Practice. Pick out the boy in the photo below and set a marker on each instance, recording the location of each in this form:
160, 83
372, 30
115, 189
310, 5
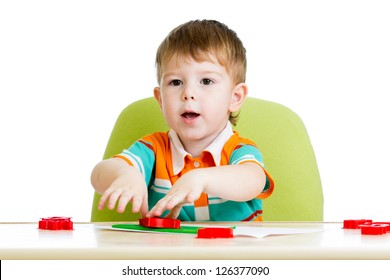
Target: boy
200, 170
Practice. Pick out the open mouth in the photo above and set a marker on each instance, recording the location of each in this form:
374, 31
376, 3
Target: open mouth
190, 115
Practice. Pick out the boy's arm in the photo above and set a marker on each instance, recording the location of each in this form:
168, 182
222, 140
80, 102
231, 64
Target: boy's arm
241, 182
120, 182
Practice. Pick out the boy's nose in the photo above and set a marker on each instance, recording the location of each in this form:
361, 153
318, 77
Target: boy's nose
188, 95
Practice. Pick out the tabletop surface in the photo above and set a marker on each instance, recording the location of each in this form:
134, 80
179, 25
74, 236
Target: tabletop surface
94, 241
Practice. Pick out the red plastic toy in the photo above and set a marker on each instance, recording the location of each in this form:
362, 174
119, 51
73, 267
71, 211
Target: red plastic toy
368, 227
56, 223
159, 222
355, 224
215, 233
387, 225
374, 229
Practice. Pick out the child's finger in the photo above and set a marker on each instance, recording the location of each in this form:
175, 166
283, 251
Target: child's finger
157, 210
174, 213
174, 201
114, 198
124, 200
103, 199
144, 207
137, 201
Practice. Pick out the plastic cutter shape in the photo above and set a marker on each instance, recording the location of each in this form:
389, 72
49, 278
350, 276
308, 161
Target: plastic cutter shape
215, 233
159, 222
56, 223
368, 227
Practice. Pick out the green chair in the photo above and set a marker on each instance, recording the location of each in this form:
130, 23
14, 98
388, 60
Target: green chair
279, 133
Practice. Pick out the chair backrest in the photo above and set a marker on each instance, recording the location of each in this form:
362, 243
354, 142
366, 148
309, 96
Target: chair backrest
279, 133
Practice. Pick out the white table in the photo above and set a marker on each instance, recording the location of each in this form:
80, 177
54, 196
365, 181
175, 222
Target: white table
89, 241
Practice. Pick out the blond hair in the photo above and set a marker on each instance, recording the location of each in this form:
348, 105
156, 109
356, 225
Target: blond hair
199, 39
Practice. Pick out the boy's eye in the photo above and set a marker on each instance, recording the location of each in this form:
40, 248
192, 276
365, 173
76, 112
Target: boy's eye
176, 83
206, 82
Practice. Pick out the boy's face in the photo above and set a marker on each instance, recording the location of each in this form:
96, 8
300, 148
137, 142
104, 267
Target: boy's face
197, 98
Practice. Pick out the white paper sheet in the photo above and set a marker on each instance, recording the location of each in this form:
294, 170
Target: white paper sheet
260, 232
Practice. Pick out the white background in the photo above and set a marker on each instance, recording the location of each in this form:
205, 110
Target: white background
67, 69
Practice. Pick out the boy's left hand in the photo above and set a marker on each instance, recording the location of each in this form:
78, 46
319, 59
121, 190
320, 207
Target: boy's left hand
187, 189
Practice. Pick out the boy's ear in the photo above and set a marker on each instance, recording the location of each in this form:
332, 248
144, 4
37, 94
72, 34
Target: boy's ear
240, 92
157, 95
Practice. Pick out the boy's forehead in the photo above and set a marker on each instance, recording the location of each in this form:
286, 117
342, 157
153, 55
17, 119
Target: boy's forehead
199, 57
177, 61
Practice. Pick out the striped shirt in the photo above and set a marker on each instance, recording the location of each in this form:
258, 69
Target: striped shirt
161, 158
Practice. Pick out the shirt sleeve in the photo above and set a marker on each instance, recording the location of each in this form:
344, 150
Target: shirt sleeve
250, 153
140, 155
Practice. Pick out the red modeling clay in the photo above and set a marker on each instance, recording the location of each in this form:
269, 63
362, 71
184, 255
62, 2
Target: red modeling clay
215, 233
159, 222
56, 223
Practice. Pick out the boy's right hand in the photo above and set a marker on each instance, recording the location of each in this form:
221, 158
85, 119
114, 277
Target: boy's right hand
122, 191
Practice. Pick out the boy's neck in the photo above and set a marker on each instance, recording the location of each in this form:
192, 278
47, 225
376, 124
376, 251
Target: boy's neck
195, 148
